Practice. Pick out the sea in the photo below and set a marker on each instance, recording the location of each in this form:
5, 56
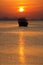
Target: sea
21, 45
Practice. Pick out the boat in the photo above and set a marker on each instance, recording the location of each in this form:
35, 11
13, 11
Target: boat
22, 22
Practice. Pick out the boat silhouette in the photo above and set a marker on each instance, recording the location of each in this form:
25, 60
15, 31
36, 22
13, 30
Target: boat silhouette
22, 22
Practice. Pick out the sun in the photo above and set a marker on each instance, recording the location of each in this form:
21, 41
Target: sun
21, 9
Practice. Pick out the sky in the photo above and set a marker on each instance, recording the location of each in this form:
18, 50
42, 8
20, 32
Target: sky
33, 9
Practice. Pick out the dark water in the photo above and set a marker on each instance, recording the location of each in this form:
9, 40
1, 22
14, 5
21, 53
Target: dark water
21, 45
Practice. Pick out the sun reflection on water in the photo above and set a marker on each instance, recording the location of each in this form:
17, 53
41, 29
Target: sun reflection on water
21, 48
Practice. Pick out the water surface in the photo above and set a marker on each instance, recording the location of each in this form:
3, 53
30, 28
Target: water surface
21, 45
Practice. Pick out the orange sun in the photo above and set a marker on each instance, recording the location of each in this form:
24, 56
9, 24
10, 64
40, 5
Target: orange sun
21, 9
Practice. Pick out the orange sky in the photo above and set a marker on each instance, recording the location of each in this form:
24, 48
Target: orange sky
32, 8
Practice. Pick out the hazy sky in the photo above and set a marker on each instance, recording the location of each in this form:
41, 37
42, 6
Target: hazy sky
32, 8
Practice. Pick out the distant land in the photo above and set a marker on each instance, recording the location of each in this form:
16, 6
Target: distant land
12, 19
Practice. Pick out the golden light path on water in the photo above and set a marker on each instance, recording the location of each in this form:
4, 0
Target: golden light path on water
21, 49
